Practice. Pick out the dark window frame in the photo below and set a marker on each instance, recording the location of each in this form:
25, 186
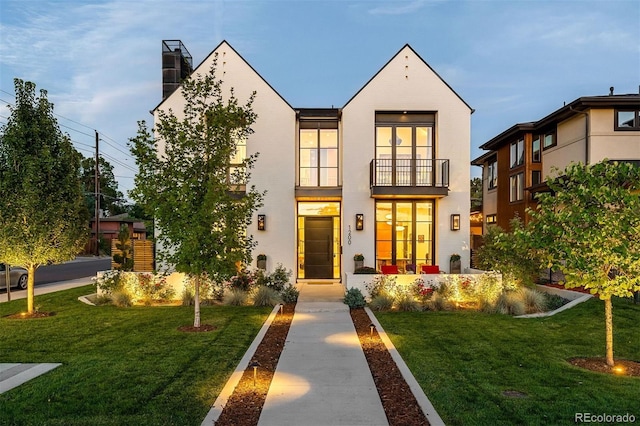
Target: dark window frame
636, 120
534, 151
519, 194
519, 153
554, 139
492, 174
491, 219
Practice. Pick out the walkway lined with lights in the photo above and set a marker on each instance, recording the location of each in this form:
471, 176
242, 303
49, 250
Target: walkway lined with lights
322, 377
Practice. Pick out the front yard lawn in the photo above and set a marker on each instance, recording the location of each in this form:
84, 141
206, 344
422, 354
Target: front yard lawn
465, 361
121, 366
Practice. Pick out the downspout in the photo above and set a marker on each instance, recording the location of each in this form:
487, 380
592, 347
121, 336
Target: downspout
586, 134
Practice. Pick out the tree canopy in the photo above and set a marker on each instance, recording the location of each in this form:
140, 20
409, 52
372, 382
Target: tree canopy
201, 202
43, 217
589, 227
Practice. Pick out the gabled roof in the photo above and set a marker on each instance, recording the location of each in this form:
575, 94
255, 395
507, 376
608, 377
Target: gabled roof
423, 61
224, 42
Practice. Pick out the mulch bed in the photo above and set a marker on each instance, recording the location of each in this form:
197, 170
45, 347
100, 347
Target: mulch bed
245, 404
622, 367
24, 315
398, 401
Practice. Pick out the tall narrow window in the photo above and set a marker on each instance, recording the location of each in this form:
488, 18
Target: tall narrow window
516, 192
237, 169
318, 154
492, 174
535, 149
517, 153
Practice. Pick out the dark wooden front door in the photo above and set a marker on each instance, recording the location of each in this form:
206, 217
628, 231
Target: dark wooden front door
318, 247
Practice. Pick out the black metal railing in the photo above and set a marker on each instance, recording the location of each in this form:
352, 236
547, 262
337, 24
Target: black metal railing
409, 172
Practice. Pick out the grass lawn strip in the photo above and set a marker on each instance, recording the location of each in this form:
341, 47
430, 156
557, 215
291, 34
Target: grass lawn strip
121, 365
471, 364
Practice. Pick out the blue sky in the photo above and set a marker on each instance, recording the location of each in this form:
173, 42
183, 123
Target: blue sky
512, 61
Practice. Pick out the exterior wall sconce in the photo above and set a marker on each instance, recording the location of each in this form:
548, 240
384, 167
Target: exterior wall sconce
262, 218
359, 222
455, 222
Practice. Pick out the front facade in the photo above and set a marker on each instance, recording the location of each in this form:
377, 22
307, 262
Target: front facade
521, 159
385, 176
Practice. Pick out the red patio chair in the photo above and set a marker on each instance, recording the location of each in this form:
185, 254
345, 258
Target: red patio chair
430, 269
389, 269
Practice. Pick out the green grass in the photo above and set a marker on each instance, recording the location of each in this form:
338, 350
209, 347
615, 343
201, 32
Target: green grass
121, 366
465, 360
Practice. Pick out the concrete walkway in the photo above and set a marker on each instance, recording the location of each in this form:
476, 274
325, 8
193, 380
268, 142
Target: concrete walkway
322, 377
14, 374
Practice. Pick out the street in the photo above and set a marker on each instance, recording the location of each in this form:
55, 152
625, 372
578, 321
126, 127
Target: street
79, 268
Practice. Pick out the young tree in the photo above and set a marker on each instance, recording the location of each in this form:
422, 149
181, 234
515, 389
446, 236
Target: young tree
43, 218
186, 182
590, 228
124, 258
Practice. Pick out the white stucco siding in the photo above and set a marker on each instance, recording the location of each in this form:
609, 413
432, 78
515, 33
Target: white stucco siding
407, 84
274, 140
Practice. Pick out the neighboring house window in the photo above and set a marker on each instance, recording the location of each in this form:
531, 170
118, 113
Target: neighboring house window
491, 219
516, 183
492, 174
318, 154
548, 140
536, 156
627, 120
404, 233
517, 153
405, 149
536, 177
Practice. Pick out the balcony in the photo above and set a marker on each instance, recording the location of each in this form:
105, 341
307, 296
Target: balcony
409, 178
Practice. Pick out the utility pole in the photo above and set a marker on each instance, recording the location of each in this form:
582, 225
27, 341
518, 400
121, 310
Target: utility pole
97, 196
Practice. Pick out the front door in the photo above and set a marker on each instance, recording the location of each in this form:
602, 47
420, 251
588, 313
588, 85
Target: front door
318, 247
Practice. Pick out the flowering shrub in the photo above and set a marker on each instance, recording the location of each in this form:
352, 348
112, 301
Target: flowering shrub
139, 288
243, 280
423, 291
382, 284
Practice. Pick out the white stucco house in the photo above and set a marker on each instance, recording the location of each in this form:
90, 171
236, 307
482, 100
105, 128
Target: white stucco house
386, 175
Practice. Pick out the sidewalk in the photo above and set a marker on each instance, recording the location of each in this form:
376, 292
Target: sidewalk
48, 288
322, 377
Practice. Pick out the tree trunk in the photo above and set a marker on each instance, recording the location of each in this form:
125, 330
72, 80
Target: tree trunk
608, 314
31, 270
196, 302
7, 280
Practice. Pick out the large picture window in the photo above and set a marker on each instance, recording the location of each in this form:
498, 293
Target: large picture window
404, 234
318, 154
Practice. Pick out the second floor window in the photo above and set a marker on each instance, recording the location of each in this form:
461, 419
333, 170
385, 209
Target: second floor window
517, 153
627, 120
237, 170
318, 156
548, 139
536, 150
516, 192
492, 175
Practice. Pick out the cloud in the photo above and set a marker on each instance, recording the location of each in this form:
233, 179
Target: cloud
400, 8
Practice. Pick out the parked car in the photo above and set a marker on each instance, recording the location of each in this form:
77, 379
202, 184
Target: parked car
18, 277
